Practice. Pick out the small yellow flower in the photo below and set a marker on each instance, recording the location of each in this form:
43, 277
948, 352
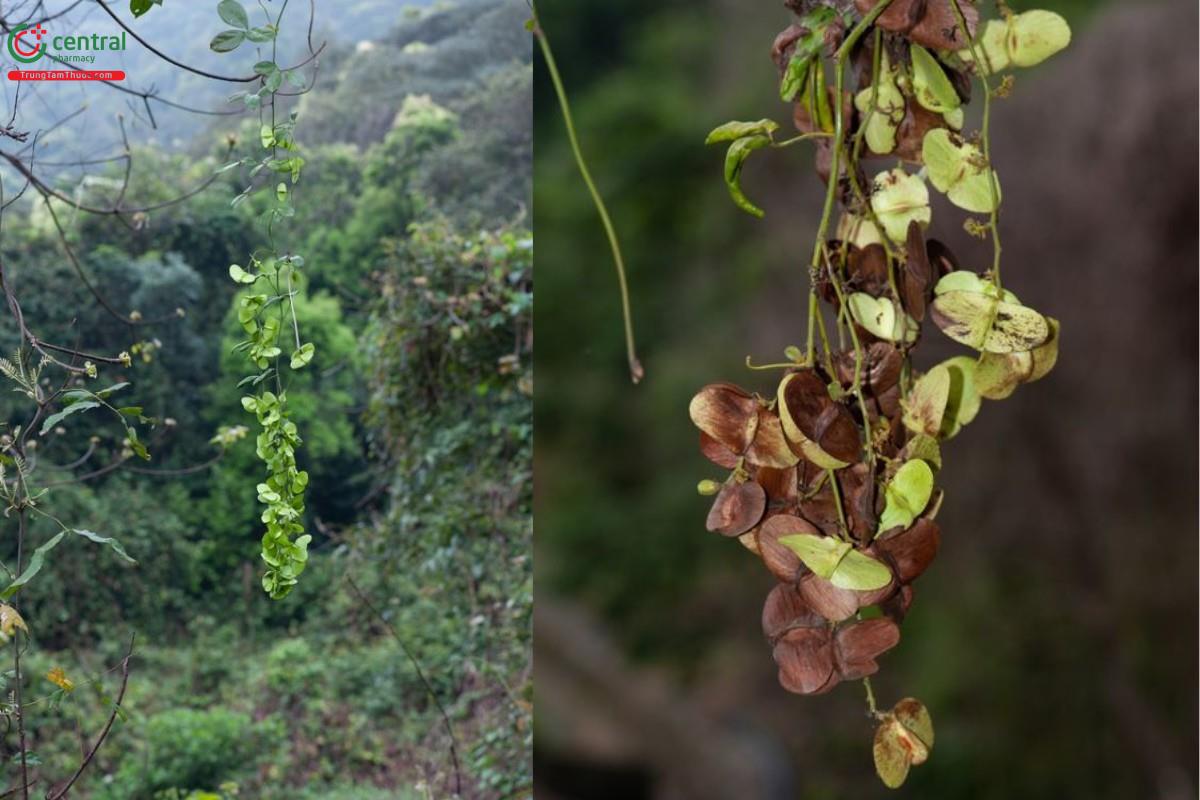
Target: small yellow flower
59, 678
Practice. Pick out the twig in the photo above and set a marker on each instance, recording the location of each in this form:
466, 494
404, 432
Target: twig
421, 675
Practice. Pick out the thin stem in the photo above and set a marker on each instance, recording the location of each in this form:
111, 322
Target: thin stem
24, 749
837, 497
412, 658
843, 54
872, 709
981, 69
856, 386
636, 371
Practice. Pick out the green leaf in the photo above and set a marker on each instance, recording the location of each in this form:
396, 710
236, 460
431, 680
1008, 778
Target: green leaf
734, 130
1045, 355
821, 554
838, 562
735, 158
987, 324
74, 408
260, 35
240, 275
274, 81
111, 390
998, 375
898, 199
135, 444
303, 356
266, 135
882, 124
232, 12
931, 85
1023, 40
108, 540
957, 169
860, 573
964, 401
880, 317
925, 405
36, 562
1036, 35
139, 7
806, 50
906, 495
227, 41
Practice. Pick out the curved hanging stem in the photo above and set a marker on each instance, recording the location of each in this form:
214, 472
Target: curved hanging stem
636, 371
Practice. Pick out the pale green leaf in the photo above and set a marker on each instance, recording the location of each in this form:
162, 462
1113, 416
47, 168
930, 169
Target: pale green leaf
906, 495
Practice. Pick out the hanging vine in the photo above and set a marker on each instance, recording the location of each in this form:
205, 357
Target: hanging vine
833, 475
267, 311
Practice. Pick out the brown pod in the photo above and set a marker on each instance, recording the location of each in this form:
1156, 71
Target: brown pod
828, 424
785, 609
932, 23
911, 552
867, 270
717, 453
910, 135
858, 645
836, 604
780, 559
769, 447
737, 508
727, 413
780, 486
917, 277
941, 259
896, 607
858, 499
817, 504
805, 657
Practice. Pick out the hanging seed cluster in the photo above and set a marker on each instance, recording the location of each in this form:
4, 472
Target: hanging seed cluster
833, 475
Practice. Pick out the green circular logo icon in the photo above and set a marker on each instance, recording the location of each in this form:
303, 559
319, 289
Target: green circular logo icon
25, 43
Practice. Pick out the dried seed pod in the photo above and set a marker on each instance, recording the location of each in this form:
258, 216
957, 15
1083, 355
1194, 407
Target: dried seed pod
910, 552
727, 413
786, 609
836, 604
805, 657
932, 23
860, 643
737, 508
780, 559
916, 282
824, 429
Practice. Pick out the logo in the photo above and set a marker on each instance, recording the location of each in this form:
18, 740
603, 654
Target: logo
25, 43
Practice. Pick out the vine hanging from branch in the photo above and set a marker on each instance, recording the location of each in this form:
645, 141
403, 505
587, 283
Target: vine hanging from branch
833, 475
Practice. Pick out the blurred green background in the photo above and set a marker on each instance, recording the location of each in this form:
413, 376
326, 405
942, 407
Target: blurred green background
1054, 639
